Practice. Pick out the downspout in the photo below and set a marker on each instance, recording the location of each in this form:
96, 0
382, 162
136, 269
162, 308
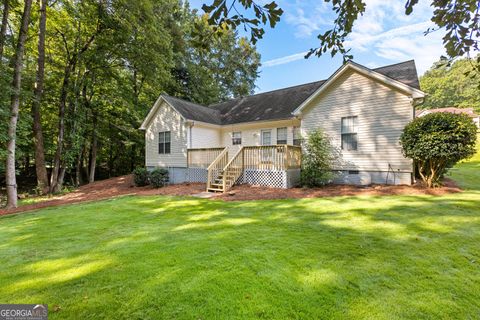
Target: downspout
190, 141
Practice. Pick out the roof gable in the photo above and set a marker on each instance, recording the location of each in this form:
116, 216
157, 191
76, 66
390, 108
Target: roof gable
288, 102
415, 93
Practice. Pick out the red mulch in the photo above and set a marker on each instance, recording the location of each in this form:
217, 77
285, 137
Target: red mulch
106, 189
113, 187
245, 192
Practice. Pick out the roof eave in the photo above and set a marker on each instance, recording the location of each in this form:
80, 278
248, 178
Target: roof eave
154, 109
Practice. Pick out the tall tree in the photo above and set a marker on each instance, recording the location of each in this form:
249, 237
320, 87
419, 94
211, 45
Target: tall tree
10, 174
40, 168
72, 59
451, 85
3, 29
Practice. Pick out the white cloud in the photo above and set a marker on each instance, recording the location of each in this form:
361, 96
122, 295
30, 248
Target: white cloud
284, 60
361, 41
306, 18
384, 31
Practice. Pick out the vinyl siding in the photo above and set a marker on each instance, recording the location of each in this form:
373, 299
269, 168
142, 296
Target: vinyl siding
251, 133
382, 114
205, 137
166, 119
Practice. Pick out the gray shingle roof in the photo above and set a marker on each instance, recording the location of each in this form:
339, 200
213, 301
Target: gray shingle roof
405, 72
278, 104
193, 111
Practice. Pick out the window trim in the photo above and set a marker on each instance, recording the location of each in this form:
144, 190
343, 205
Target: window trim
261, 137
353, 133
297, 141
162, 145
239, 141
286, 136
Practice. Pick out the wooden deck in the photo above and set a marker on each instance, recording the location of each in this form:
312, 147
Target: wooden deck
224, 173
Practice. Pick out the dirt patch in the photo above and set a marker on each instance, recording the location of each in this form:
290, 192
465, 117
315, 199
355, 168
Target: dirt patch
119, 186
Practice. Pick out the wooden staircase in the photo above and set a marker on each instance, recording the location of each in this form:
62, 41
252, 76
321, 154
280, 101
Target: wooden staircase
222, 178
215, 172
217, 184
223, 174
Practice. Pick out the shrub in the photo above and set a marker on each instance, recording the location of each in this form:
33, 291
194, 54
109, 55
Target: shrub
158, 177
438, 141
317, 160
140, 176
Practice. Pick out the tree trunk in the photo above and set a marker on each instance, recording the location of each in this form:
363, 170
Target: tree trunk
132, 157
40, 168
61, 176
78, 166
55, 183
3, 30
11, 180
93, 152
56, 179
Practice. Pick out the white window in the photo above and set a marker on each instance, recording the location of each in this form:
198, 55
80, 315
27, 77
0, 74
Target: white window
282, 135
297, 136
349, 133
266, 137
164, 142
236, 138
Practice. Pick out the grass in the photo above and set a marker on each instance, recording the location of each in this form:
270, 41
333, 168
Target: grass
366, 257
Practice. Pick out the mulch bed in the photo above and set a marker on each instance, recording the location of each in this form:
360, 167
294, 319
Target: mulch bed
119, 186
245, 192
106, 189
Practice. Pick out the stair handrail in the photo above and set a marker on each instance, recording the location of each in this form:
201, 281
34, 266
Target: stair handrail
227, 167
217, 159
213, 165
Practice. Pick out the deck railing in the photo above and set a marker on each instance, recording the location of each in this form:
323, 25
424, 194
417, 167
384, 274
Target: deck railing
277, 157
233, 170
215, 169
202, 157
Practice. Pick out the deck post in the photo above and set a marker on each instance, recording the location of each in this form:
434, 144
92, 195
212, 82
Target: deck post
287, 158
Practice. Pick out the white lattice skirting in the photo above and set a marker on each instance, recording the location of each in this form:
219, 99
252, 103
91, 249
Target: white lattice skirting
196, 175
270, 178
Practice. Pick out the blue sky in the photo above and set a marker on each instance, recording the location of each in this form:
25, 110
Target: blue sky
383, 35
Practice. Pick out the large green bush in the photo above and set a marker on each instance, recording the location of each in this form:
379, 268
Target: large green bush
140, 176
318, 159
158, 177
438, 141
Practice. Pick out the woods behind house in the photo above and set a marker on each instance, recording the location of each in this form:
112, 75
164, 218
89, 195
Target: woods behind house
90, 70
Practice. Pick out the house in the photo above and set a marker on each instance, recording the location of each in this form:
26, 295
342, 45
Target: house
256, 139
468, 111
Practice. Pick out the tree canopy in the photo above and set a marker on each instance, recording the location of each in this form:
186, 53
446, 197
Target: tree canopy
105, 63
451, 85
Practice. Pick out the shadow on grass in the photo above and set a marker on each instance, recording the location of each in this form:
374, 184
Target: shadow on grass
190, 258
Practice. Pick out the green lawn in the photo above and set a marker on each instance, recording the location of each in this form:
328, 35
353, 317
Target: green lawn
165, 258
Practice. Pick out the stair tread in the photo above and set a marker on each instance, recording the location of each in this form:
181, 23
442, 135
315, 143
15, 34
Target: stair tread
214, 189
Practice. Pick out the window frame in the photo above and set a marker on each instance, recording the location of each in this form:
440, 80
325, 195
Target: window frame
280, 142
351, 134
164, 145
297, 141
236, 141
261, 136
